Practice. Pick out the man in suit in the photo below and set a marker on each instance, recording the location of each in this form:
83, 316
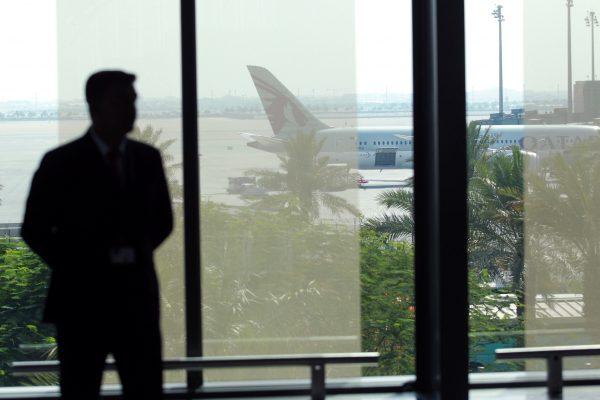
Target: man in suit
97, 209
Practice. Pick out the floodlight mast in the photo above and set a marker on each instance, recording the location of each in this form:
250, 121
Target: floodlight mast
591, 20
569, 62
497, 14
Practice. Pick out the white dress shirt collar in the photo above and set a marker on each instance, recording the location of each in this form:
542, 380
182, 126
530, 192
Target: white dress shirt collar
103, 147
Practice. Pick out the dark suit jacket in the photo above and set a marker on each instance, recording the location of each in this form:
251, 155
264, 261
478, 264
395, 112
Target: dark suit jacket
77, 211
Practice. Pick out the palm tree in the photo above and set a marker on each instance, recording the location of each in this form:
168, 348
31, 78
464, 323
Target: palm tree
396, 226
304, 182
152, 137
391, 224
495, 199
563, 209
496, 213
168, 257
478, 144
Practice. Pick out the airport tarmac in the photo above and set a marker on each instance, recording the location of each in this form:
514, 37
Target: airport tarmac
223, 154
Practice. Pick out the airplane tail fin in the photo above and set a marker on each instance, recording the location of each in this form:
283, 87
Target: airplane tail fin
286, 113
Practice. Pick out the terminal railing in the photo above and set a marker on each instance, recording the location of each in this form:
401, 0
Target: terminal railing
553, 356
316, 363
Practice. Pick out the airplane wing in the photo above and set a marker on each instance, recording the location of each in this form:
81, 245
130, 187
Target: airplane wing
508, 150
384, 183
337, 165
271, 144
388, 180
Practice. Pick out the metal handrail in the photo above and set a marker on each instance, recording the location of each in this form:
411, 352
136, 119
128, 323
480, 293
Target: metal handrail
316, 362
553, 356
543, 352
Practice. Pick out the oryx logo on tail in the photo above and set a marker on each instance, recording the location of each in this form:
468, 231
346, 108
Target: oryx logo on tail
286, 114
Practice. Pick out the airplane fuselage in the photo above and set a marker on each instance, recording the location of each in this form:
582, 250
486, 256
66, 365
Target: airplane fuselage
368, 147
392, 147
384, 147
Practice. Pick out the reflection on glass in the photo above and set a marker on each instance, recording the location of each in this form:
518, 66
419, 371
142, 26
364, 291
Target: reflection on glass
142, 38
533, 239
306, 197
291, 263
43, 106
27, 130
279, 223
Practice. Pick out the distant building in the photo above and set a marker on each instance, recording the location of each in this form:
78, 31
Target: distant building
514, 118
559, 115
587, 99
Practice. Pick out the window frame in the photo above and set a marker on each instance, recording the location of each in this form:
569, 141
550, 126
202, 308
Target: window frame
439, 110
440, 193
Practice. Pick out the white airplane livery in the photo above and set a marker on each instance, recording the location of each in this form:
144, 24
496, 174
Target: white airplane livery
386, 147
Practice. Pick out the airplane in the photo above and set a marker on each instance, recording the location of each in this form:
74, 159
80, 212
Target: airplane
389, 147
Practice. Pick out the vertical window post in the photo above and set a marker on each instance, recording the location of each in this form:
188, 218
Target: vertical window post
426, 207
452, 163
440, 193
191, 189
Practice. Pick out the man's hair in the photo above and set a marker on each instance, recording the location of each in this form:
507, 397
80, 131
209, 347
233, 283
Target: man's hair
98, 83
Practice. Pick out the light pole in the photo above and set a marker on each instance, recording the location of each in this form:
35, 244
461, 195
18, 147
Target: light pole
497, 13
569, 64
592, 21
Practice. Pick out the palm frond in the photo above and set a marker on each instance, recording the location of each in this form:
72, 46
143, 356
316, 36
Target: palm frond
392, 225
397, 199
337, 205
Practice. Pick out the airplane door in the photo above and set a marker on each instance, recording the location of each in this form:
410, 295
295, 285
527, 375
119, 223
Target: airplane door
385, 158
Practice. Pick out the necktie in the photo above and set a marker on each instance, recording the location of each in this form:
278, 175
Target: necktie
113, 158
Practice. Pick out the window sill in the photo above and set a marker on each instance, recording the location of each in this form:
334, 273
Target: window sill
531, 379
280, 387
381, 384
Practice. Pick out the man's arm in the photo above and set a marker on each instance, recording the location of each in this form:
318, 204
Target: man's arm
39, 229
162, 213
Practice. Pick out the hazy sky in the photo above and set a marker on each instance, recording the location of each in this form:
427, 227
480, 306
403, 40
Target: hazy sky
545, 42
307, 44
313, 46
28, 37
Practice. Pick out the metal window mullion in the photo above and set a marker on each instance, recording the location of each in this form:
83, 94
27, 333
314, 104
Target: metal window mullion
452, 137
191, 189
440, 198
426, 206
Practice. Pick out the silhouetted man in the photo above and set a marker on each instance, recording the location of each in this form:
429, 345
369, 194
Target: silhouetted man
98, 208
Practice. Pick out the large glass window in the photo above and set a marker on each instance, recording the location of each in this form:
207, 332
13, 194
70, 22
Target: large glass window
293, 258
534, 237
52, 47
28, 128
495, 174
561, 274
305, 127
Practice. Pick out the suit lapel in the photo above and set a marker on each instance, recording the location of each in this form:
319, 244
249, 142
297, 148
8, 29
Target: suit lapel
131, 169
98, 176
91, 154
